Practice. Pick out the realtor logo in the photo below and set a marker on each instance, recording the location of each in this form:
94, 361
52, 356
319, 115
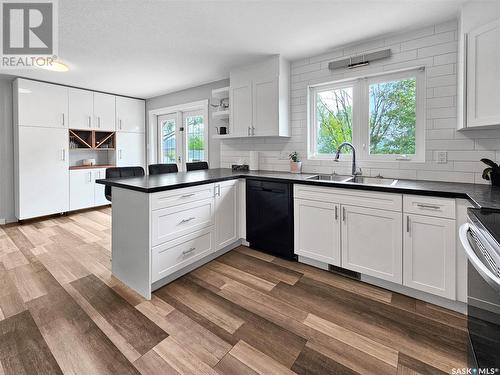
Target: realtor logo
27, 28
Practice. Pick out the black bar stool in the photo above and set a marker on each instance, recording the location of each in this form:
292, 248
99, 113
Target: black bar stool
117, 172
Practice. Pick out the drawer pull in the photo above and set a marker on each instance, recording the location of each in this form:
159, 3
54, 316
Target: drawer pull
432, 207
187, 220
190, 250
187, 195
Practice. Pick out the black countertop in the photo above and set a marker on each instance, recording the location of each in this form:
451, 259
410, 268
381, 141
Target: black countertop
480, 195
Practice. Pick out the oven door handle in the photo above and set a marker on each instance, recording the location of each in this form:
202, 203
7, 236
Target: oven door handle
489, 277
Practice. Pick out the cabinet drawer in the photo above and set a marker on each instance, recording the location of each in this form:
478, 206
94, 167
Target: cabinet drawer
179, 253
171, 222
180, 196
430, 206
354, 197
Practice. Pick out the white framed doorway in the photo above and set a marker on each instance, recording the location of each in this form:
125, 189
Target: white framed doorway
179, 134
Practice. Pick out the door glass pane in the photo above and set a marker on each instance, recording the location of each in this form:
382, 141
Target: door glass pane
168, 141
393, 117
195, 130
334, 119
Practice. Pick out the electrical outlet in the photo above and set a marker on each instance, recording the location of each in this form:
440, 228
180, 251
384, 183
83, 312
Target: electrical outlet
441, 157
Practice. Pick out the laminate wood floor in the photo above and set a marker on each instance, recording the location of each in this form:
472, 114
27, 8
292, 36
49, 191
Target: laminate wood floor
61, 311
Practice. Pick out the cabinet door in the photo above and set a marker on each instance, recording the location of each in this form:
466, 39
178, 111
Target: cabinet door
372, 242
81, 108
317, 230
226, 213
429, 255
99, 198
483, 76
43, 184
81, 189
265, 107
240, 103
104, 111
130, 114
42, 104
130, 149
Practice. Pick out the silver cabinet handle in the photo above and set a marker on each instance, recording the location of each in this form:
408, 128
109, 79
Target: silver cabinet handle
253, 130
120, 123
89, 120
90, 177
343, 213
249, 130
119, 154
190, 250
408, 223
187, 220
336, 213
187, 195
431, 206
99, 122
63, 119
63, 154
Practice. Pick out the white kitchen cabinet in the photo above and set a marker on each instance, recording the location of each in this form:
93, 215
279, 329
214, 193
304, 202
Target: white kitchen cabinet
104, 112
226, 213
429, 255
240, 102
81, 109
130, 114
42, 171
99, 197
81, 189
130, 149
259, 98
372, 242
483, 76
40, 104
317, 230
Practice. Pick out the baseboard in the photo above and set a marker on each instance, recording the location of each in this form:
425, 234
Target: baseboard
4, 221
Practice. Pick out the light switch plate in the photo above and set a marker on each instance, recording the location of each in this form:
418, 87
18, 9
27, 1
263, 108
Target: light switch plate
441, 157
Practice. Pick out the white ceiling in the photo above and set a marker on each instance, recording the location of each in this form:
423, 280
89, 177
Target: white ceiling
147, 48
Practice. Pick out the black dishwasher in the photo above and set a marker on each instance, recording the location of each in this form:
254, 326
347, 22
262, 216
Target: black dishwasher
269, 207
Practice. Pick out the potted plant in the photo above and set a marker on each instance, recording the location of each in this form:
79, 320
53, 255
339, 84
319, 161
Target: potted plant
295, 163
492, 173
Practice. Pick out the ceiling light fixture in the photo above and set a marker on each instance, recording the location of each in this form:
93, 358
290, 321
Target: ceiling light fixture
55, 66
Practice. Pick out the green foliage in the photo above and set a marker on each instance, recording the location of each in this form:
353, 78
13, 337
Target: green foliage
492, 168
393, 117
294, 156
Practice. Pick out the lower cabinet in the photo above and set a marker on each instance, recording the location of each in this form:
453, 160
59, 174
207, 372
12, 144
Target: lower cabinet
181, 252
226, 213
83, 191
429, 255
372, 242
317, 230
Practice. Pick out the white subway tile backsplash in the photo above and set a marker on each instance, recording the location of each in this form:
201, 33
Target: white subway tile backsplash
435, 48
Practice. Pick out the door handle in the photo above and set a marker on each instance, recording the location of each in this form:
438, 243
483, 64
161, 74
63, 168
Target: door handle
407, 223
63, 119
249, 131
343, 213
187, 195
120, 123
336, 213
183, 221
89, 120
253, 130
190, 250
431, 206
90, 177
63, 154
99, 122
119, 154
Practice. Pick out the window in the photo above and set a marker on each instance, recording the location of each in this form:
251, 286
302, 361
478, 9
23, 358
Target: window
182, 134
383, 116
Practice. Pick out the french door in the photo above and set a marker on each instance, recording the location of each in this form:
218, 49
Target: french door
183, 138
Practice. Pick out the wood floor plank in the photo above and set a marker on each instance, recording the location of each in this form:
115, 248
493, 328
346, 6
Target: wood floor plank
241, 276
254, 253
414, 366
310, 362
138, 330
23, 349
230, 365
27, 281
152, 363
13, 260
11, 302
265, 270
182, 360
258, 361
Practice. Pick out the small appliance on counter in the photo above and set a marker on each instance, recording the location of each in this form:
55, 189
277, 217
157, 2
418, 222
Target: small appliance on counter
480, 239
88, 162
254, 161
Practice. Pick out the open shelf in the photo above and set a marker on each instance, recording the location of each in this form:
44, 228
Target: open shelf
91, 140
221, 93
223, 115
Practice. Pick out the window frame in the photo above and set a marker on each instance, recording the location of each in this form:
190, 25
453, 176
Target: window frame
360, 116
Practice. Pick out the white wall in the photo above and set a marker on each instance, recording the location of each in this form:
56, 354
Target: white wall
434, 47
6, 152
192, 95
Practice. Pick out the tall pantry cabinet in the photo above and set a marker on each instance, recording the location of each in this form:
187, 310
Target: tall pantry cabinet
41, 148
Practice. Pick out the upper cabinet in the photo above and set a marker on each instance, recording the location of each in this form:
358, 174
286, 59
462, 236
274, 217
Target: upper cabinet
130, 115
81, 109
258, 99
483, 76
104, 111
40, 104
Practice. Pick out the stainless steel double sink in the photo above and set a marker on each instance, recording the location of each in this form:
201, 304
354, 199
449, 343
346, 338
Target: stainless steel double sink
354, 179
